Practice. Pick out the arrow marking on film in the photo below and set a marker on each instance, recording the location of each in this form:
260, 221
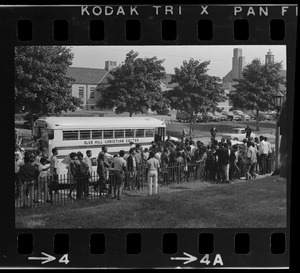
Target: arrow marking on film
190, 258
46, 259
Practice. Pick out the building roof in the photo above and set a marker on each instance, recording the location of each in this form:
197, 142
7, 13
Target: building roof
86, 75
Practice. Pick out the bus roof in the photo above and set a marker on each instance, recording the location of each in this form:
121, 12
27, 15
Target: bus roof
100, 122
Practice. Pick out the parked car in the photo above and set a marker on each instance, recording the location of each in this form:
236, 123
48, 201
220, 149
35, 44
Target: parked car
237, 134
231, 116
172, 138
242, 115
269, 117
203, 118
182, 117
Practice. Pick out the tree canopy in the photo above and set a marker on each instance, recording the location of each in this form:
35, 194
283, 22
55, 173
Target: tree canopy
41, 85
255, 90
135, 86
196, 92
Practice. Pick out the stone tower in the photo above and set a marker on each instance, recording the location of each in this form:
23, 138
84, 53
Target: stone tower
269, 57
238, 63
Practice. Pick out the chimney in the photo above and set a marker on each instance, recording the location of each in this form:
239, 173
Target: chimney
109, 65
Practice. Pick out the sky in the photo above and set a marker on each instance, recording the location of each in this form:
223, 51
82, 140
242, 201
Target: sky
220, 57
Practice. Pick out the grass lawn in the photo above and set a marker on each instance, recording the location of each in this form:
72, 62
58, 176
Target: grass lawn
259, 203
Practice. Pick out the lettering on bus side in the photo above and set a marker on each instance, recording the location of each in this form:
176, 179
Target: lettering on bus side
132, 140
88, 142
110, 141
113, 141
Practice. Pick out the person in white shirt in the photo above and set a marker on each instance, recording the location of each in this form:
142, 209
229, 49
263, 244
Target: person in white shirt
158, 154
251, 159
152, 167
263, 153
269, 156
120, 166
53, 171
145, 154
43, 181
88, 160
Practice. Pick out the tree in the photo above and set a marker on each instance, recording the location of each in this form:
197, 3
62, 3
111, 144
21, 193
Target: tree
41, 85
254, 91
134, 87
197, 92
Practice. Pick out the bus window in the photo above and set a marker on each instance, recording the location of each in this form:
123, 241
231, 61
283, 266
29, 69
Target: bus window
119, 133
97, 134
129, 133
149, 132
139, 133
86, 134
70, 135
108, 134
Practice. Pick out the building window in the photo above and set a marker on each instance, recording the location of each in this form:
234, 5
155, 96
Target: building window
81, 92
92, 94
92, 107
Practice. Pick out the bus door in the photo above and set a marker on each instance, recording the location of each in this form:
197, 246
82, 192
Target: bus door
160, 134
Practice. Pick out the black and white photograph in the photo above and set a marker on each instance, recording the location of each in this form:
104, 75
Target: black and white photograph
150, 136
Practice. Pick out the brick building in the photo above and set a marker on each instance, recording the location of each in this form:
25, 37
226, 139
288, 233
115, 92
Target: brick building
88, 80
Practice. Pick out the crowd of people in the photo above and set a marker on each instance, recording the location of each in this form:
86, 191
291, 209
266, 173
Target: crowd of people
163, 162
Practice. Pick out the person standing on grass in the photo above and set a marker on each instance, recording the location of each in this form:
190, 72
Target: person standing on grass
269, 156
43, 185
139, 161
251, 161
233, 168
263, 153
131, 167
225, 162
256, 145
213, 133
106, 160
37, 158
119, 170
53, 171
152, 168
88, 160
18, 164
248, 131
28, 175
84, 176
74, 172
102, 172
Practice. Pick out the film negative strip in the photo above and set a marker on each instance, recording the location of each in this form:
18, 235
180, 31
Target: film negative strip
187, 204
